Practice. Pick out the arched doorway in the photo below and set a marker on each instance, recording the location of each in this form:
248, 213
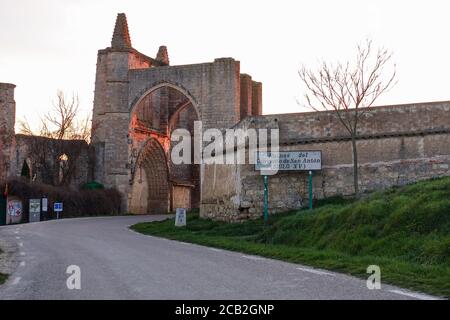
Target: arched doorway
150, 189
158, 185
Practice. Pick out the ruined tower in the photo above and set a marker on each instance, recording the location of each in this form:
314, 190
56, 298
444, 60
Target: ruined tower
111, 112
139, 101
7, 120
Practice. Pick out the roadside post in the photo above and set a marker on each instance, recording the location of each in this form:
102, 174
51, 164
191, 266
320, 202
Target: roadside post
57, 207
44, 209
180, 217
34, 210
310, 187
266, 199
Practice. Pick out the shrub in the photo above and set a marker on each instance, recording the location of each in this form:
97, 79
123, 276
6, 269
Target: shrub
93, 185
77, 203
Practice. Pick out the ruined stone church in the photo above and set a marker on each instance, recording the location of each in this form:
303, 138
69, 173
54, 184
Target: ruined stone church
139, 101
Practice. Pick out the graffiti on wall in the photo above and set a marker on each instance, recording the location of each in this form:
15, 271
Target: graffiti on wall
15, 208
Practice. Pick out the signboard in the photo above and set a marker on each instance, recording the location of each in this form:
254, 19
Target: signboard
14, 208
58, 207
35, 210
289, 160
180, 217
44, 204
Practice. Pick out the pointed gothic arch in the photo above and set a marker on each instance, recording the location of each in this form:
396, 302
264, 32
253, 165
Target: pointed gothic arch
154, 116
150, 190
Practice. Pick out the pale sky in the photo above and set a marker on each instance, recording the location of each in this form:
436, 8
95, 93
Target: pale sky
47, 45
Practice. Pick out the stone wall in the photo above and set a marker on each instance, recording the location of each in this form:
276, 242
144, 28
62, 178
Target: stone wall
381, 121
397, 145
42, 156
7, 119
213, 87
221, 187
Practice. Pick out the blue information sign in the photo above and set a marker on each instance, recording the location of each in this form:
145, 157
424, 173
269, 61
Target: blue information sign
58, 207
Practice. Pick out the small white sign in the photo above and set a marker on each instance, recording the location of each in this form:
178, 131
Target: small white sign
35, 210
180, 217
44, 204
289, 160
35, 206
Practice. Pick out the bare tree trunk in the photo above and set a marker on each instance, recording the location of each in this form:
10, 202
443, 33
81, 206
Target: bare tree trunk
349, 89
57, 125
355, 166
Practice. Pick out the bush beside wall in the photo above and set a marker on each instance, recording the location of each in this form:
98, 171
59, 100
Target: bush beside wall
76, 203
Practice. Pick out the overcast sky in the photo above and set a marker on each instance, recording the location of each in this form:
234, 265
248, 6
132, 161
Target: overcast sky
47, 45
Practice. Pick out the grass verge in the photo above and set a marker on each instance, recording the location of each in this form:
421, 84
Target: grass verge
405, 231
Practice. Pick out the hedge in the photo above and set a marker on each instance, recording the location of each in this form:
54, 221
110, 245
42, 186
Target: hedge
77, 203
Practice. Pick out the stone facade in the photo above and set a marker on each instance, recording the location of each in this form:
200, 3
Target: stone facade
138, 103
43, 156
7, 120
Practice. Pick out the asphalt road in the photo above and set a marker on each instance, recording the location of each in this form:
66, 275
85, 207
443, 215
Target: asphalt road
117, 263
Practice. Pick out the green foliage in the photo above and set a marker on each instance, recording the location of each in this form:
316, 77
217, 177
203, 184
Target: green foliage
77, 203
400, 222
93, 185
404, 230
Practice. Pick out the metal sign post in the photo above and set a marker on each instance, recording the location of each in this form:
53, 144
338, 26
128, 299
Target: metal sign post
44, 209
273, 162
44, 204
57, 207
310, 186
35, 210
266, 199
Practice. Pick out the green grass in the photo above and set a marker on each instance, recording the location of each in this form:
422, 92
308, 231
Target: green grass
404, 230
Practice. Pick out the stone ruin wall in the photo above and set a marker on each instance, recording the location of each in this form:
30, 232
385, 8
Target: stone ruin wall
398, 145
79, 153
17, 148
7, 120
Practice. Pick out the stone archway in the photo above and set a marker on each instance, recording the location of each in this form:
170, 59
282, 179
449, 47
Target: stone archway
150, 191
157, 184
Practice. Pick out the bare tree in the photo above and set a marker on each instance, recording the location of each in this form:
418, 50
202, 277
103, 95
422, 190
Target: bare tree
350, 89
62, 121
49, 149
